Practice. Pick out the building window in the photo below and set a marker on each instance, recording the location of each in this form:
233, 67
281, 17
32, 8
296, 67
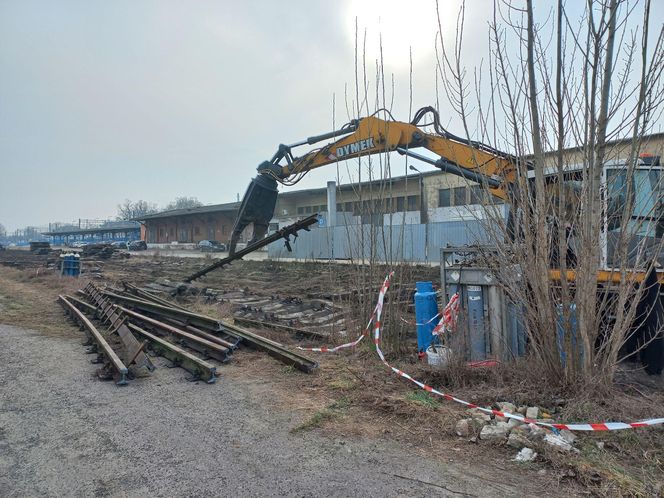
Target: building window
413, 202
476, 195
307, 210
340, 207
401, 205
300, 210
224, 229
197, 230
444, 198
322, 209
459, 196
348, 207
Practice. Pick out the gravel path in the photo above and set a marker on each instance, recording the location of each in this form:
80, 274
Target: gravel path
64, 433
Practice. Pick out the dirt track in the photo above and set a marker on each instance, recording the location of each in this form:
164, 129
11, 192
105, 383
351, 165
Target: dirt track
64, 433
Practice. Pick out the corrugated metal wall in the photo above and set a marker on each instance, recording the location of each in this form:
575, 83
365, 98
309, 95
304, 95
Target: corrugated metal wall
382, 243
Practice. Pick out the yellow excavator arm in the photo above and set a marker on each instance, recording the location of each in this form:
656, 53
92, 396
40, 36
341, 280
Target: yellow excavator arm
372, 135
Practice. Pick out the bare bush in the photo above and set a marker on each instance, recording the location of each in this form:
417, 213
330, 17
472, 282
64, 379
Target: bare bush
582, 233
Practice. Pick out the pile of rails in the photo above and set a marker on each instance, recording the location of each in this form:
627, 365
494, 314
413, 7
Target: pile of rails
136, 321
103, 251
304, 316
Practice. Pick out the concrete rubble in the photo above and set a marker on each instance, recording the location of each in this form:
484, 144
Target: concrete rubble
513, 432
525, 455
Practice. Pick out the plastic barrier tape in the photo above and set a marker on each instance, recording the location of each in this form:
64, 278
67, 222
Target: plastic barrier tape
375, 319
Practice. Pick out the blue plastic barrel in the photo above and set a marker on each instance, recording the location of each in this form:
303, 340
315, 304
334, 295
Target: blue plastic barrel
425, 309
76, 265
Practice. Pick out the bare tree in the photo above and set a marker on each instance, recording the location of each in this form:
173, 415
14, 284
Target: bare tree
586, 224
183, 203
129, 210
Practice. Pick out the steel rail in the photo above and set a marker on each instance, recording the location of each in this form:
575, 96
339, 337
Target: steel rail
83, 305
116, 322
206, 335
196, 366
106, 350
214, 326
272, 348
149, 296
209, 348
284, 233
179, 314
279, 326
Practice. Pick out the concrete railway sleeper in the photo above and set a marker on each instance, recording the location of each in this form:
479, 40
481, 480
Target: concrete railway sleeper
105, 353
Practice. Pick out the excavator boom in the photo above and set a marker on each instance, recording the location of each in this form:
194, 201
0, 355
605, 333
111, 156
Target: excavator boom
364, 137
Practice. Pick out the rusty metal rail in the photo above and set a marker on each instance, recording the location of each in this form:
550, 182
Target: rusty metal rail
149, 296
209, 348
272, 348
180, 314
192, 322
285, 233
206, 335
199, 368
83, 306
279, 326
215, 327
117, 324
102, 348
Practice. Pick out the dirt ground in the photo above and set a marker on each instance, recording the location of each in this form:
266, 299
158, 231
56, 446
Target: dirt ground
348, 429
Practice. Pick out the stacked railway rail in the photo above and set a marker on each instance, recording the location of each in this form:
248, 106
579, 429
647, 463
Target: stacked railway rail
124, 327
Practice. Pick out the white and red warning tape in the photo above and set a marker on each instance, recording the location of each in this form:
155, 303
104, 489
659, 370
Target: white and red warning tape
375, 318
450, 314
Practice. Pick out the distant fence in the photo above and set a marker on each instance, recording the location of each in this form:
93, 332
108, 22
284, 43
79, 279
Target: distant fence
412, 243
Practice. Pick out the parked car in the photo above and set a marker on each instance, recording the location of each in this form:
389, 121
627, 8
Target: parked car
119, 244
2, 248
211, 246
137, 245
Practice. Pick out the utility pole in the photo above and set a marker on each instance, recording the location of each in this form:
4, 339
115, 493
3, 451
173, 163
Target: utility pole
424, 219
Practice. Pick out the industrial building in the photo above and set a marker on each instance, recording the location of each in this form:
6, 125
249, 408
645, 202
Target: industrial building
420, 198
402, 200
93, 231
190, 225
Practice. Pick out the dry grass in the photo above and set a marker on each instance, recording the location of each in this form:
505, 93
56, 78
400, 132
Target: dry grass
29, 299
352, 393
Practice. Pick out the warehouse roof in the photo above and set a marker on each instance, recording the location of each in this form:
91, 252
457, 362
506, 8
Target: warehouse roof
213, 208
114, 227
353, 186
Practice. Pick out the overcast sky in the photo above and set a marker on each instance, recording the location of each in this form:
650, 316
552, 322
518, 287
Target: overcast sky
102, 101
